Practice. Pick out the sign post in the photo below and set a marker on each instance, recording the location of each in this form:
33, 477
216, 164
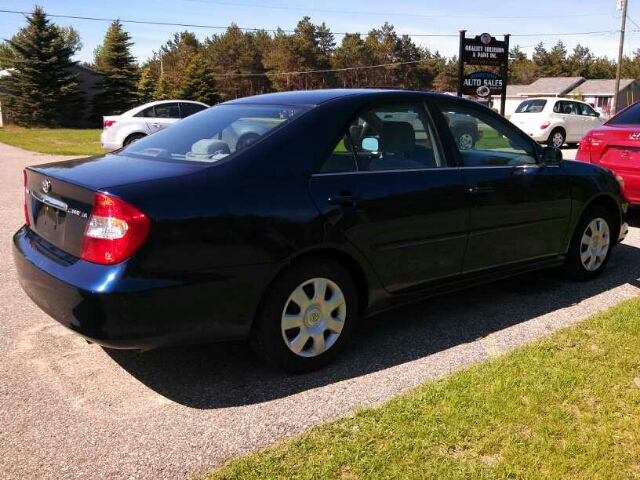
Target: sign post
505, 75
486, 51
460, 62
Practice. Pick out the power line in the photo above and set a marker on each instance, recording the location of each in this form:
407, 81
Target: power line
328, 70
253, 29
389, 14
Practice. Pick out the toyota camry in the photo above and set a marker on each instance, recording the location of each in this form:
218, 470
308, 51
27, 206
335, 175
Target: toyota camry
343, 204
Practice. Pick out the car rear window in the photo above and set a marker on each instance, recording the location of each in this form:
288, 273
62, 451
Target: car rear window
630, 116
531, 106
215, 133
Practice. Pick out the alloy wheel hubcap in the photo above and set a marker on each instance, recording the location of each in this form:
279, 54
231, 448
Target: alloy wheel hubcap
594, 245
465, 142
313, 317
558, 140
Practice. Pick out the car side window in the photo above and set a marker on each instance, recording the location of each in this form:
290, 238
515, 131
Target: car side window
167, 110
392, 137
587, 110
484, 140
187, 109
147, 112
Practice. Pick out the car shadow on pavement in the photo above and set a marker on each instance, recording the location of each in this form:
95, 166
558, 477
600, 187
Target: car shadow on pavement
227, 374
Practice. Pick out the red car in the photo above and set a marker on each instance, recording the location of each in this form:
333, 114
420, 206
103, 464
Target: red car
616, 146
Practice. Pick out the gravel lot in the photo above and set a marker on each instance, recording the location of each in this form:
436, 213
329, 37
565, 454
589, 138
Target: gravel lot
73, 410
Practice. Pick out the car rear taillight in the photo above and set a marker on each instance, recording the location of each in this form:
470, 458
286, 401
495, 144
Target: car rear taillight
588, 144
107, 123
26, 199
114, 232
545, 125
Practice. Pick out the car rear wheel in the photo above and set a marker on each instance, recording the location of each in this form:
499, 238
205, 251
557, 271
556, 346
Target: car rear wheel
306, 316
591, 245
133, 138
556, 138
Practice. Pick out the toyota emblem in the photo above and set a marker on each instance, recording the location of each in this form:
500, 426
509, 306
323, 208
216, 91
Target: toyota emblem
635, 136
46, 186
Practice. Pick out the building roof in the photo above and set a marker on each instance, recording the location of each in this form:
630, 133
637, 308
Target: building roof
515, 90
553, 86
603, 87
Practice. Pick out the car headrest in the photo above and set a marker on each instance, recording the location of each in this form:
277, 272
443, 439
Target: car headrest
209, 147
398, 137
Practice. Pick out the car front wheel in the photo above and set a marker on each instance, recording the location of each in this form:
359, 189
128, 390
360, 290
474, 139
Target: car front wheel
591, 245
306, 317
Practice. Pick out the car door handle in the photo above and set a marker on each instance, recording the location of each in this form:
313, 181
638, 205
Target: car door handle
344, 199
481, 190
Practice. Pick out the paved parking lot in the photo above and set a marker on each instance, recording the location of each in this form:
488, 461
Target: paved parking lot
73, 410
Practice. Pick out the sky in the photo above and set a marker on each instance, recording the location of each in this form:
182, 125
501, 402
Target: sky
529, 22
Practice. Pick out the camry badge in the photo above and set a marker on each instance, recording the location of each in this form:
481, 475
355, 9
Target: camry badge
46, 186
635, 136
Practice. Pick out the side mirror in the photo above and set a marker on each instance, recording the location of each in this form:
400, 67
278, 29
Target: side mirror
551, 156
598, 114
370, 144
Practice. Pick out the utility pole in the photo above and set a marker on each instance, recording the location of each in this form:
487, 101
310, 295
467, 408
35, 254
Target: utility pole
620, 53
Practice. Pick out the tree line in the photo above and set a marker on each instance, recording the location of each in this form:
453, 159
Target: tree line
237, 63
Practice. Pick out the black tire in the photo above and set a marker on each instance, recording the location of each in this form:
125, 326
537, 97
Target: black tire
245, 140
574, 268
554, 132
267, 338
134, 137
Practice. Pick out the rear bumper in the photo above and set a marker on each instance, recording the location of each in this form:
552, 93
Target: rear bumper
108, 306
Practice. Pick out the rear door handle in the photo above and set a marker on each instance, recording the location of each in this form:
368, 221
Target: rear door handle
481, 190
344, 200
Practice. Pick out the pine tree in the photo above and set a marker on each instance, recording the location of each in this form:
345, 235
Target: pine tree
119, 80
164, 90
200, 83
43, 90
146, 85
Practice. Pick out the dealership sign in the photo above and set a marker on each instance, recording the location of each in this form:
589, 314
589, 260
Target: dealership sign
484, 50
482, 84
487, 51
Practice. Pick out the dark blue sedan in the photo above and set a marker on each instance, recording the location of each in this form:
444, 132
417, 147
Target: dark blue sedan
343, 203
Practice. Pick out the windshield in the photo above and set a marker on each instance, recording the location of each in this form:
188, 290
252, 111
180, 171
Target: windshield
631, 116
215, 133
531, 106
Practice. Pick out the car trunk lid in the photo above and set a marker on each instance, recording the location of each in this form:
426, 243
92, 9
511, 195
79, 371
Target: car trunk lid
60, 196
620, 146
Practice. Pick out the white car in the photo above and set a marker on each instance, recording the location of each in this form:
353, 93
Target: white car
121, 130
556, 121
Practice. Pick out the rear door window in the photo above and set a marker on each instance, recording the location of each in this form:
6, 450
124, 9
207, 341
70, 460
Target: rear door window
168, 110
187, 109
392, 137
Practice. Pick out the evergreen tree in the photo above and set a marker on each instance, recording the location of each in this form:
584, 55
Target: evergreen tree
164, 90
43, 89
146, 84
200, 83
118, 84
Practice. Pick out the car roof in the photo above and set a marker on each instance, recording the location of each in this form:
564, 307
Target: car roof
139, 108
317, 97
553, 99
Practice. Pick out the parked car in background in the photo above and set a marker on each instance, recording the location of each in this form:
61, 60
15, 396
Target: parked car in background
121, 130
556, 121
347, 203
616, 146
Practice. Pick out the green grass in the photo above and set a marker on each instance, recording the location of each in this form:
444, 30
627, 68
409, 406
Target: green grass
57, 141
564, 407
